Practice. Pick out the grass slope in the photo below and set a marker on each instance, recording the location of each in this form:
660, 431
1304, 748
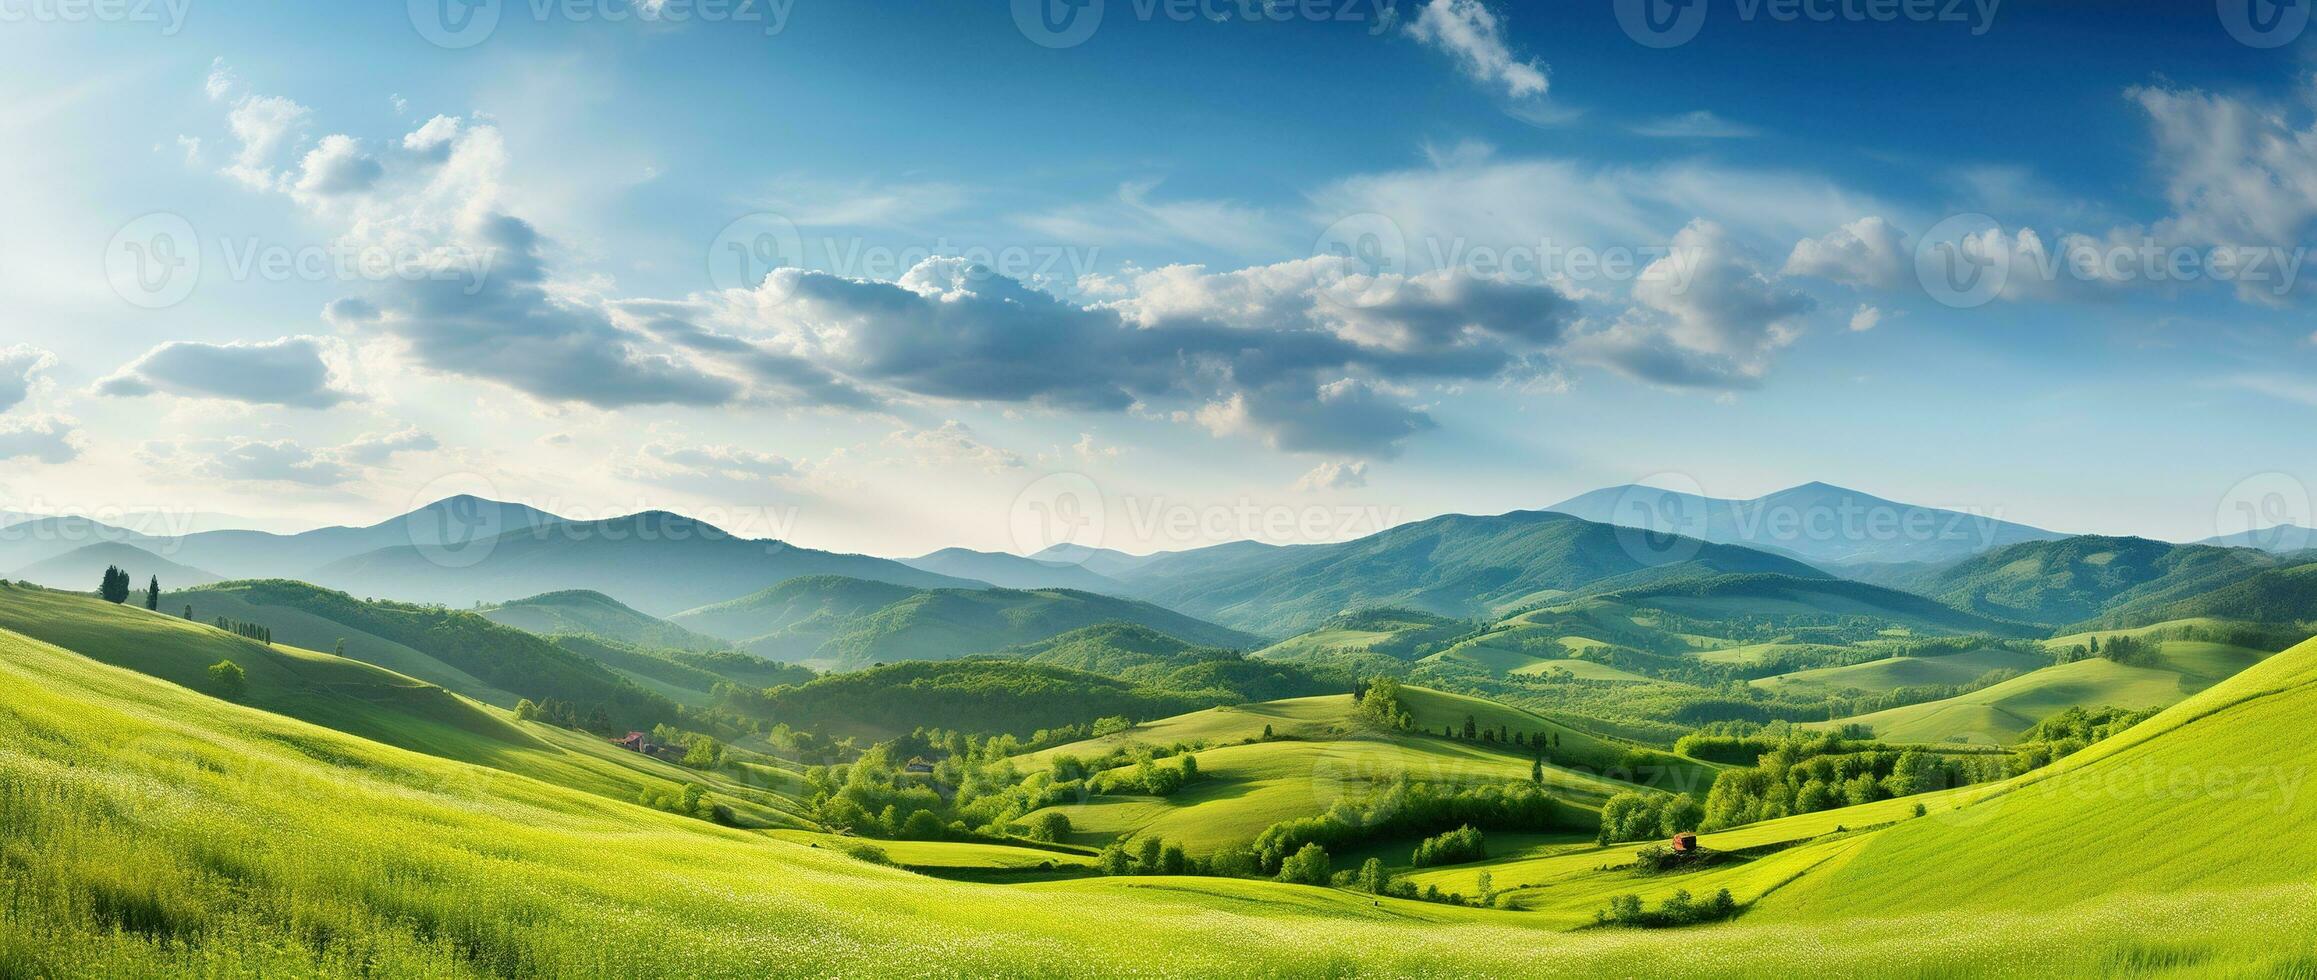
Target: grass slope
582, 611
845, 624
2081, 578
155, 831
2000, 713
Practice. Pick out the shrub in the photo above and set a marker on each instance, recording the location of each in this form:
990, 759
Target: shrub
1454, 847
229, 679
1308, 866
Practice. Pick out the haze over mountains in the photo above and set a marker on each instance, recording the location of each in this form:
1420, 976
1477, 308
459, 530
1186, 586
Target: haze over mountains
1816, 522
624, 576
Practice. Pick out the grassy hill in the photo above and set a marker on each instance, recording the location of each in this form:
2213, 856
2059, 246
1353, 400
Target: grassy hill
976, 695
1455, 566
2276, 596
2101, 829
847, 624
2177, 669
154, 830
658, 562
1897, 672
1318, 753
2072, 580
354, 697
581, 611
459, 650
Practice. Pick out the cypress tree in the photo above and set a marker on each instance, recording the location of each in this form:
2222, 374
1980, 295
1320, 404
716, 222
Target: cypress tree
153, 594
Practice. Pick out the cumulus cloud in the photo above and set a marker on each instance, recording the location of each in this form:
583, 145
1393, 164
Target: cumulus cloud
337, 165
1865, 318
263, 125
2239, 176
1469, 31
20, 368
291, 371
1868, 252
1334, 475
1708, 317
46, 438
378, 448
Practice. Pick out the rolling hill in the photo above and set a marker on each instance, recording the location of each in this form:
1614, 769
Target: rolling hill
459, 650
1014, 571
445, 528
2073, 580
2276, 596
1455, 566
78, 570
845, 624
1998, 714
1816, 522
581, 611
657, 562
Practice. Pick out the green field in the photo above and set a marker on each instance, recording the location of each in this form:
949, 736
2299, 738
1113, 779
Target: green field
1999, 714
154, 829
1895, 672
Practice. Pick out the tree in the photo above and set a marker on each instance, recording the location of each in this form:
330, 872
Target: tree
923, 825
229, 679
1537, 770
115, 587
1173, 861
526, 710
153, 594
1471, 730
1114, 860
1148, 857
189, 611
1308, 866
1050, 826
1371, 879
704, 753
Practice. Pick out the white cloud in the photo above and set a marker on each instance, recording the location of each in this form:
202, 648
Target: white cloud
47, 438
1713, 327
20, 368
1865, 318
299, 372
1335, 475
1469, 31
337, 165
243, 460
1867, 252
1700, 124
378, 448
953, 442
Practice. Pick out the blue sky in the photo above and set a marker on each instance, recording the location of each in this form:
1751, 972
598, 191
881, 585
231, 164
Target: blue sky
1246, 273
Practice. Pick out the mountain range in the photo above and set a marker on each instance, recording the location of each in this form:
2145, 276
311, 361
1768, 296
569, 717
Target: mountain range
1816, 522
